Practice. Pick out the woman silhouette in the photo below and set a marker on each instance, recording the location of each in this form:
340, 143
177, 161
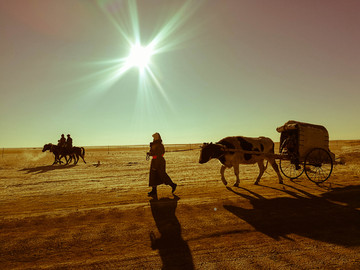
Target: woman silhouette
158, 173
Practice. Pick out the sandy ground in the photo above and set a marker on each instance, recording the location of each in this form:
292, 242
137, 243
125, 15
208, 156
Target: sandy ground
98, 216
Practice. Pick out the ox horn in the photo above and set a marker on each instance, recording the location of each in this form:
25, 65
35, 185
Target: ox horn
204, 144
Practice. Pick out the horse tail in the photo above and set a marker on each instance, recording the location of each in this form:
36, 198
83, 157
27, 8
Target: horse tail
83, 151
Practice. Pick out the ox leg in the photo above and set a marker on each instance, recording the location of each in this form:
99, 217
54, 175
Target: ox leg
222, 170
236, 171
262, 170
276, 169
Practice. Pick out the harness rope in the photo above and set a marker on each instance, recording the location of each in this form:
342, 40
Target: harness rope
181, 150
227, 150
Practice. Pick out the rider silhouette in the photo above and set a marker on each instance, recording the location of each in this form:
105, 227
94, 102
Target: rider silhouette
62, 141
69, 142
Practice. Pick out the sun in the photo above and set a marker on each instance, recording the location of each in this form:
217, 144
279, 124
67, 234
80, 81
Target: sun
139, 56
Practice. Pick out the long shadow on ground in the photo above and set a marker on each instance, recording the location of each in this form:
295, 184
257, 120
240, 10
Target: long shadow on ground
43, 169
331, 217
174, 251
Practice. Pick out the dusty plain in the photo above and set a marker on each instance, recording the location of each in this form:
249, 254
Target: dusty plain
98, 216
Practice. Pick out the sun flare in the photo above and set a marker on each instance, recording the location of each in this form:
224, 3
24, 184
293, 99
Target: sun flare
139, 56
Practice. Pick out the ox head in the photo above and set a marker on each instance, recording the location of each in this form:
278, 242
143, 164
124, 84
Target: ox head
209, 151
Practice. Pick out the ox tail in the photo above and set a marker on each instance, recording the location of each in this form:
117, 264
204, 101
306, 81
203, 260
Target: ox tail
267, 162
83, 151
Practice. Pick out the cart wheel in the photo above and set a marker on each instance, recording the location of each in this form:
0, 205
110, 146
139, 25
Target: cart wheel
318, 165
290, 168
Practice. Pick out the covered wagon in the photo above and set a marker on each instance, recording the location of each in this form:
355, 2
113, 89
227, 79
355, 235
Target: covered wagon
305, 147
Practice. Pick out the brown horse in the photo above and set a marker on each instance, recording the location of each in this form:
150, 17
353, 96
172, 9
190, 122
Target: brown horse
58, 152
78, 152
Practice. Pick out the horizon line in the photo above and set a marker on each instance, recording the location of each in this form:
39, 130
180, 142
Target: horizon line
141, 145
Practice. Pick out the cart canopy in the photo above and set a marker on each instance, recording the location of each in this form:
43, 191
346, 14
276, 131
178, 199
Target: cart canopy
309, 136
295, 125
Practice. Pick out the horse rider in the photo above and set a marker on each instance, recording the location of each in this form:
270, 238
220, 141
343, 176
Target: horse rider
62, 141
69, 142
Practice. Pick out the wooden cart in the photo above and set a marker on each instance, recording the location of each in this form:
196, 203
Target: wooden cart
305, 148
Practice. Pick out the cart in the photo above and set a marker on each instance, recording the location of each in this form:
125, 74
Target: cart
305, 148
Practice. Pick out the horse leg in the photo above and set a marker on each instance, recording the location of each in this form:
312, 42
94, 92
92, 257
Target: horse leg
83, 158
59, 157
76, 159
82, 154
262, 170
56, 159
67, 160
62, 156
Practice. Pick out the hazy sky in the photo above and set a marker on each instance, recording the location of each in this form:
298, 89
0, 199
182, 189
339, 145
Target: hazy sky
220, 68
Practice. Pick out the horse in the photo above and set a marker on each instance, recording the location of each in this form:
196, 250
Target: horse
78, 152
58, 152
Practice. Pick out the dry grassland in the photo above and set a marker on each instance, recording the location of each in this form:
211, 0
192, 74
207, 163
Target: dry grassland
98, 216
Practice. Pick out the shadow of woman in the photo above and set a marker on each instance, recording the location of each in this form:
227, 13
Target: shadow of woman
314, 217
174, 251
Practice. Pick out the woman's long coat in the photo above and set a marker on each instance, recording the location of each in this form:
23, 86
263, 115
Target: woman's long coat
158, 173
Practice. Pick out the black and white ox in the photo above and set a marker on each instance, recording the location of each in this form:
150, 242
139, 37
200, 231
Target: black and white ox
232, 151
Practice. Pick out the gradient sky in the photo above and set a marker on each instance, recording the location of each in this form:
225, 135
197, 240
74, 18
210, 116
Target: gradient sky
221, 68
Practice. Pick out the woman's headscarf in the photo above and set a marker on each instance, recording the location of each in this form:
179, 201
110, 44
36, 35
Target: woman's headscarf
156, 137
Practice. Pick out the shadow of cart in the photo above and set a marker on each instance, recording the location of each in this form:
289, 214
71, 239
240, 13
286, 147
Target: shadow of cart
332, 217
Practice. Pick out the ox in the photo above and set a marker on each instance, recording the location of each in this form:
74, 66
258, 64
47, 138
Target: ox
232, 151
